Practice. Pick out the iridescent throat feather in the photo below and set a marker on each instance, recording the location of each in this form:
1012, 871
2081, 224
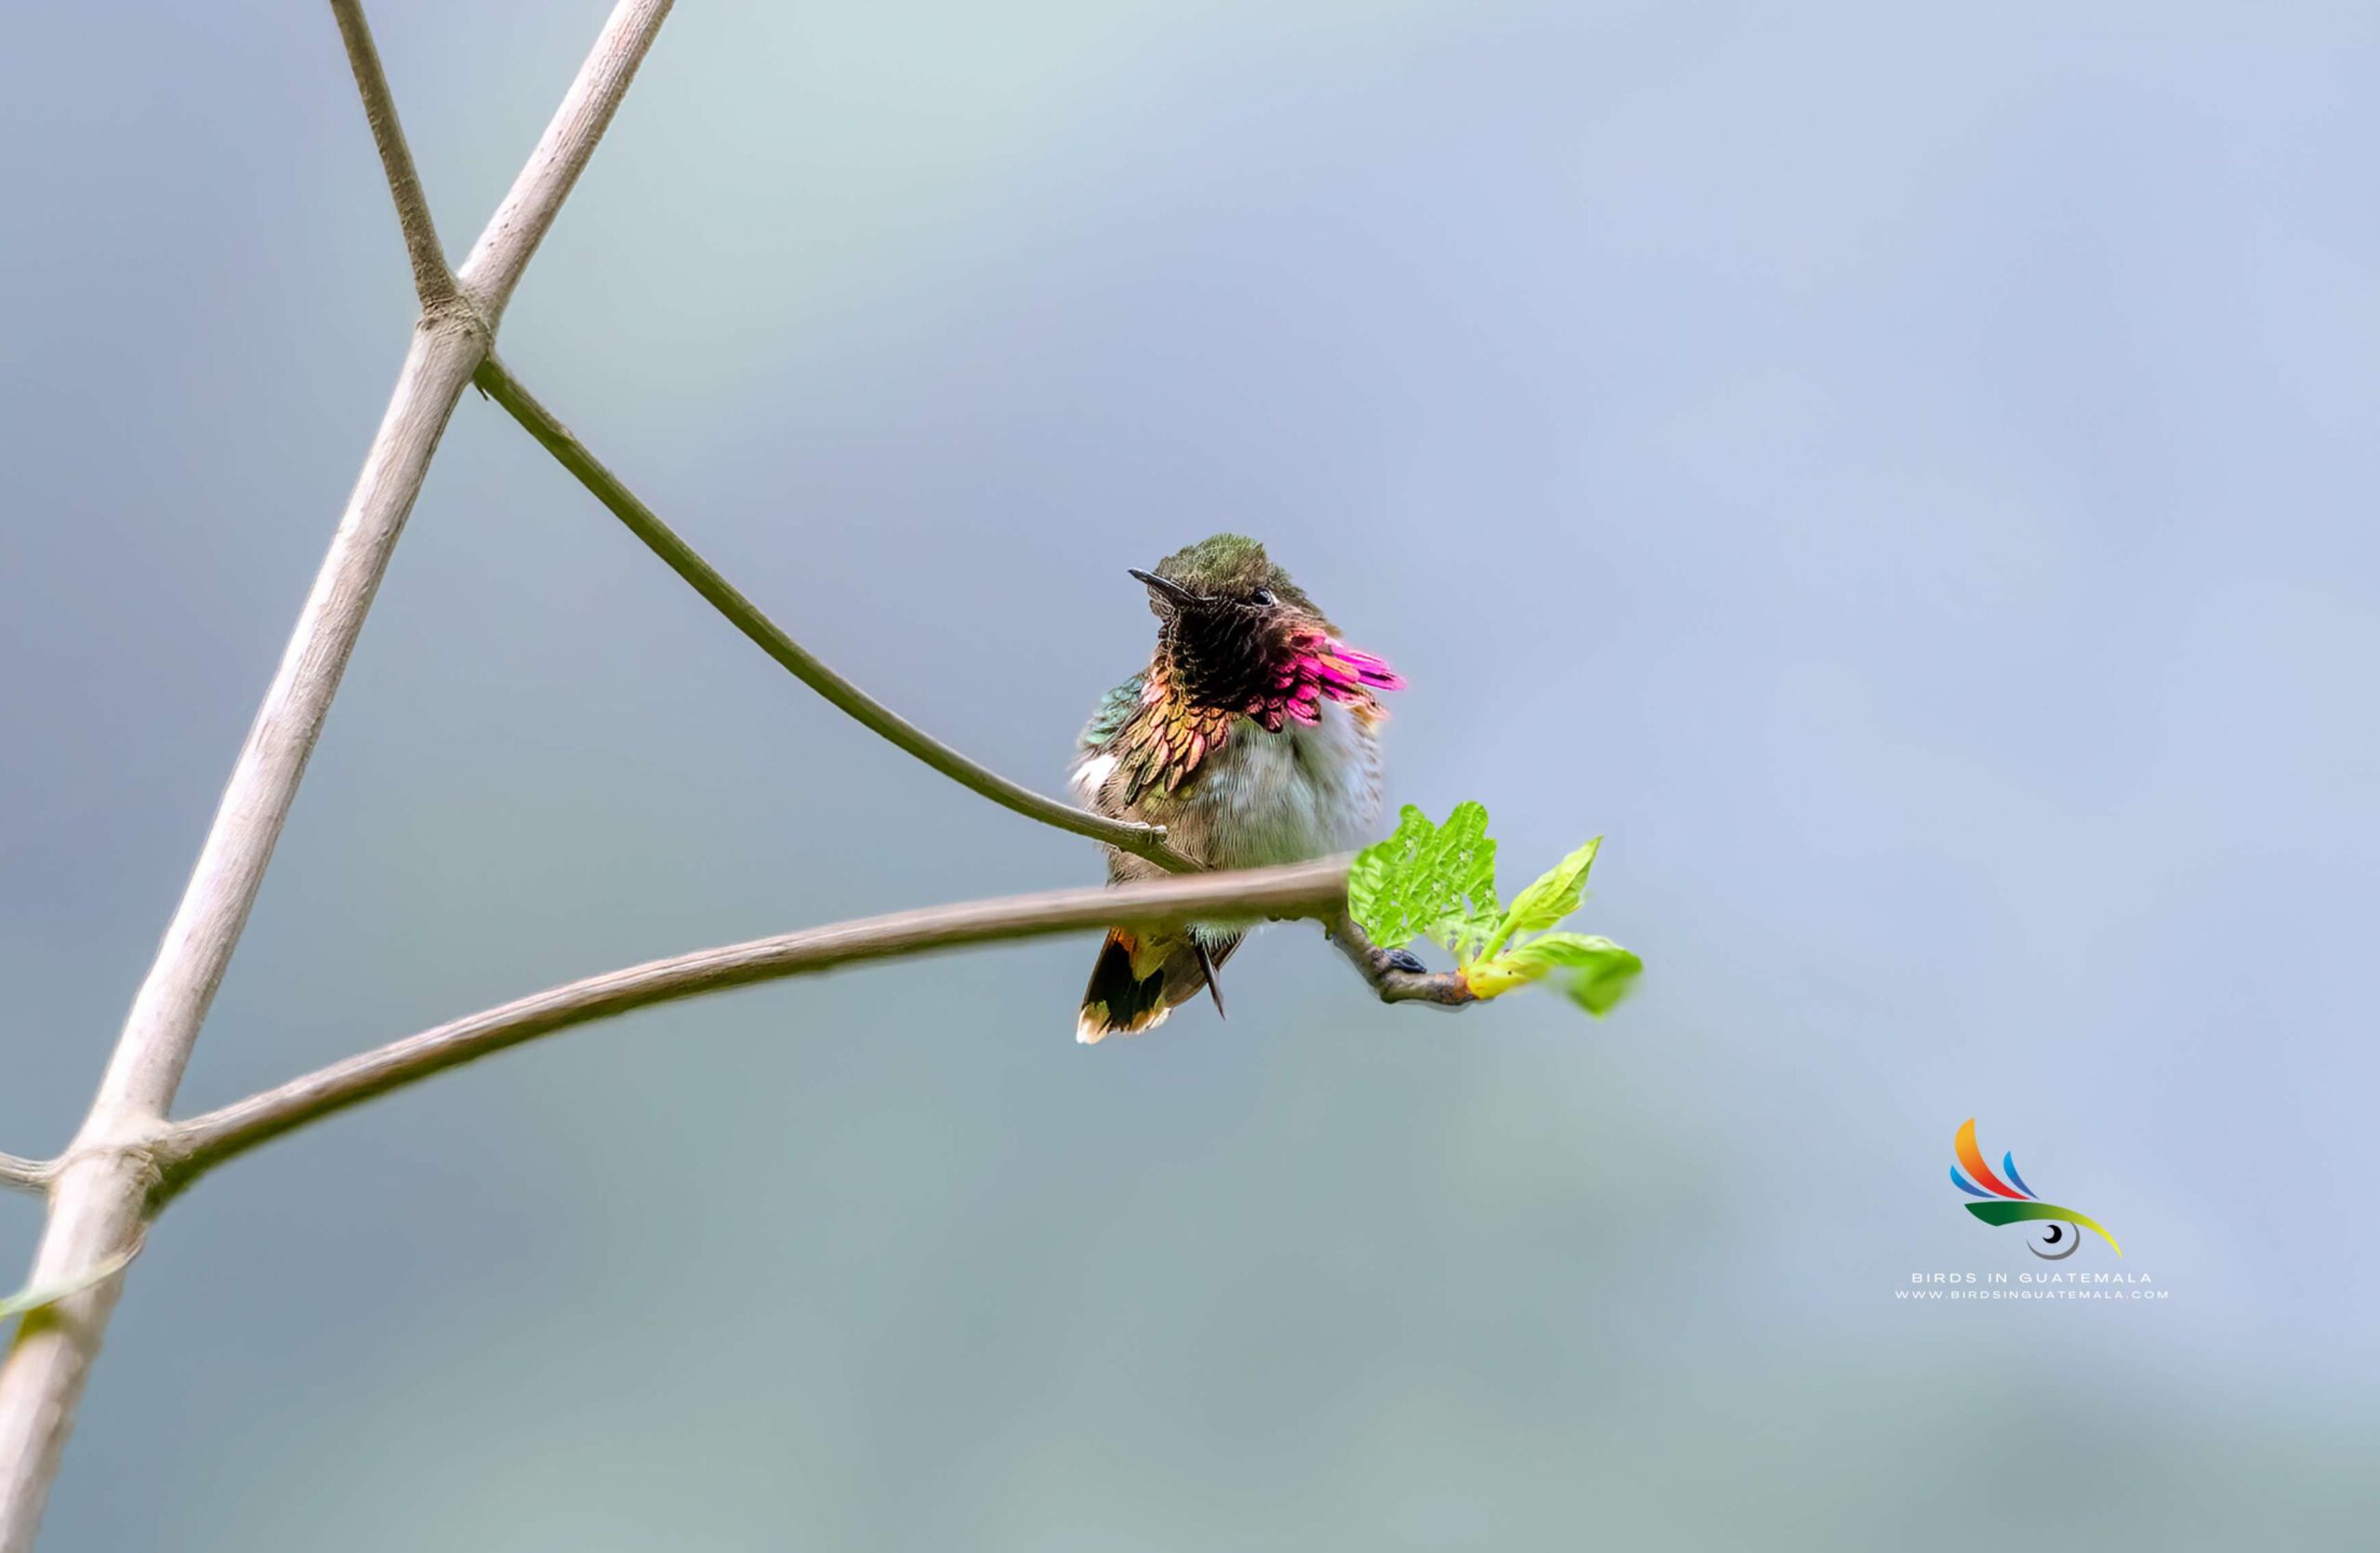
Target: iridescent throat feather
1202, 680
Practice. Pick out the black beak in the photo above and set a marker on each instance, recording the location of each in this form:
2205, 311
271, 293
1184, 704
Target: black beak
1165, 588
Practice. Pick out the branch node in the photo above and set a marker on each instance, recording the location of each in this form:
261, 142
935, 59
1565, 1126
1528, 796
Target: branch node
457, 313
141, 1153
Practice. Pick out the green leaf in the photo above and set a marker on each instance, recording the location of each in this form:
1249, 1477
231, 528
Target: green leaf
1553, 897
1374, 880
1599, 987
1578, 951
1603, 970
1428, 881
1439, 881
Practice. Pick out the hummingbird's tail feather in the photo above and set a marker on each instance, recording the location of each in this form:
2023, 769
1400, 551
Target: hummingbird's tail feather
1139, 978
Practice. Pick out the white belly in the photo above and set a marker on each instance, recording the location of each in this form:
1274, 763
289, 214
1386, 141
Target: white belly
1310, 789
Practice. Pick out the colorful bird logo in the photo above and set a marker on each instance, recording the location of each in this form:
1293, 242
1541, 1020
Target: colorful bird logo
2005, 1203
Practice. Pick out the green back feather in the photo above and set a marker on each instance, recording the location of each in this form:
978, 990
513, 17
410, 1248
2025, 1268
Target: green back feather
1115, 709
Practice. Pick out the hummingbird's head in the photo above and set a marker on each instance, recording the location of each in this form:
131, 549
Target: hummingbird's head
1236, 634
1228, 577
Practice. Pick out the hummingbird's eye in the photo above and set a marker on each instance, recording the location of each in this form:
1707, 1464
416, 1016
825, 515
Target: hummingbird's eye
1262, 596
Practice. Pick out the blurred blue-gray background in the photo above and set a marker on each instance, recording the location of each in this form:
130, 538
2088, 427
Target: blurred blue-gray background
1905, 475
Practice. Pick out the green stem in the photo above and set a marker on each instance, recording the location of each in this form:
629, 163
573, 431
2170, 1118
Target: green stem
1142, 841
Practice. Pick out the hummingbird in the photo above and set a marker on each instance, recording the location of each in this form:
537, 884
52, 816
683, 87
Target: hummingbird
1252, 736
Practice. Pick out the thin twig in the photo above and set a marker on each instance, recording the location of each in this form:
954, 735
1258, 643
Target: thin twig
187, 1149
1392, 981
102, 1186
432, 282
27, 1175
1142, 840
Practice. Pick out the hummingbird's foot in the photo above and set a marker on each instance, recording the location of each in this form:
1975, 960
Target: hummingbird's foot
1406, 961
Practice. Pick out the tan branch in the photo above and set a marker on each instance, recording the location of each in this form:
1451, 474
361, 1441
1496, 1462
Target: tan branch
101, 1187
1396, 982
1142, 840
187, 1149
432, 282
